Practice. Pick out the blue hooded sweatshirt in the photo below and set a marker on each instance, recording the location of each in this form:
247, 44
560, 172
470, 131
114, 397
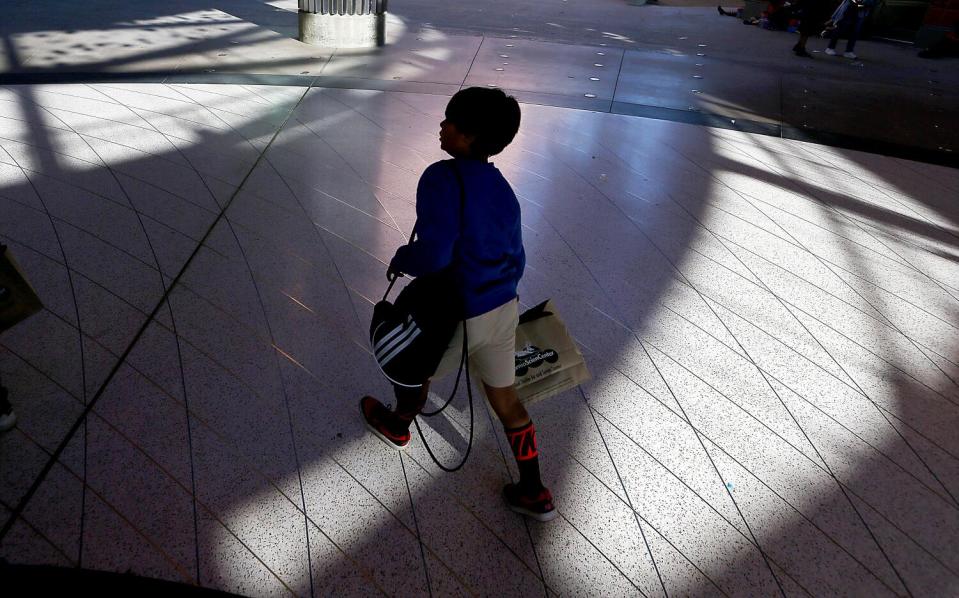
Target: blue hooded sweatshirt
486, 243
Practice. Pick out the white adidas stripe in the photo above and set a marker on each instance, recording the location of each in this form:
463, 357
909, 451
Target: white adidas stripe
399, 339
400, 348
387, 337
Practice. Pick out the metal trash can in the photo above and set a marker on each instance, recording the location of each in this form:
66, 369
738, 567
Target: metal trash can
343, 23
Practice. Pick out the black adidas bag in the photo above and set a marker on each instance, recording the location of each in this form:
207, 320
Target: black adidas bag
410, 336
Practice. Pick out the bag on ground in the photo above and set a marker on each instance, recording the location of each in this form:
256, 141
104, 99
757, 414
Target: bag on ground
18, 300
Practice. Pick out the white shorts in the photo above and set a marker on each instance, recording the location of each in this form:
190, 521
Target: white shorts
492, 346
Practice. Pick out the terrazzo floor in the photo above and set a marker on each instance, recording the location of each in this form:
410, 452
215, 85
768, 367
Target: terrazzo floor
770, 326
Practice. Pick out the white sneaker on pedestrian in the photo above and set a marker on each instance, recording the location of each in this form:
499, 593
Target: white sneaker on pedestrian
851, 55
830, 52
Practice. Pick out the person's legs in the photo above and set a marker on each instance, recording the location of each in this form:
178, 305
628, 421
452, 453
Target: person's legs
409, 403
800, 48
854, 32
521, 435
833, 39
528, 497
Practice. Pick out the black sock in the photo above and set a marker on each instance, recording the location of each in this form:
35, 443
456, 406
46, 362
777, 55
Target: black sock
409, 403
523, 442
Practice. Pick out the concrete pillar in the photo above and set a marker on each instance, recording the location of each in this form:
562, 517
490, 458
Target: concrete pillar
343, 23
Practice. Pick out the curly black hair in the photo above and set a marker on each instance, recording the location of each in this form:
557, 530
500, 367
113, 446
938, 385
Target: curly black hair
486, 113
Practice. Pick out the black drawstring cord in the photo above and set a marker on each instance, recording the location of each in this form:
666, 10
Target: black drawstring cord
464, 361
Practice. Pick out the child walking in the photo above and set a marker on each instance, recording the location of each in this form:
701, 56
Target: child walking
482, 242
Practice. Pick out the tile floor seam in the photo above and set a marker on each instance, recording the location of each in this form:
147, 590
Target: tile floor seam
351, 167
889, 322
279, 372
768, 384
96, 193
857, 224
792, 242
206, 90
190, 449
186, 102
6, 117
919, 218
326, 194
419, 535
82, 479
874, 187
867, 350
185, 285
720, 393
720, 515
230, 443
115, 102
18, 510
603, 554
475, 516
636, 513
214, 112
38, 532
854, 493
413, 532
40, 91
386, 135
830, 417
833, 210
767, 372
372, 88
689, 422
800, 278
766, 485
89, 405
841, 280
767, 289
747, 412
629, 501
96, 235
111, 101
750, 223
908, 165
121, 250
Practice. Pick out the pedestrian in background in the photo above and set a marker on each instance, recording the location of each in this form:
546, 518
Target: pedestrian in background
849, 17
812, 15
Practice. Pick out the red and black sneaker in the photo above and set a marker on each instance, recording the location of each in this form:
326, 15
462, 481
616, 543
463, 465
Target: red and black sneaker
378, 419
539, 506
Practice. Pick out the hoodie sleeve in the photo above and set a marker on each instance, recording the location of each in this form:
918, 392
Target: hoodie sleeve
437, 224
